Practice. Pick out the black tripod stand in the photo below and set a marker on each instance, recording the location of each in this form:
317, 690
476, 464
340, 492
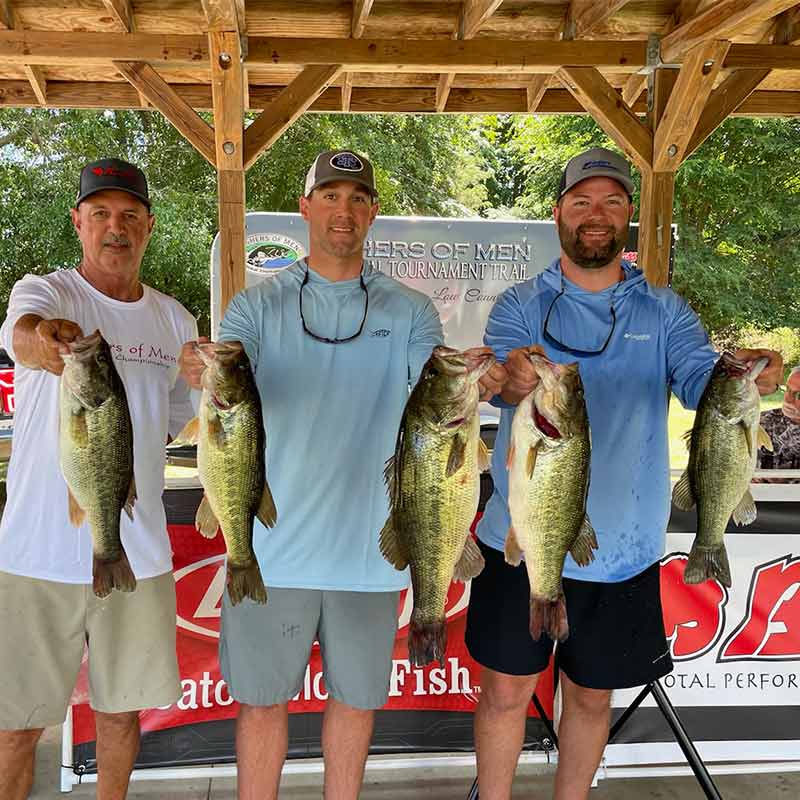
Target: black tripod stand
670, 715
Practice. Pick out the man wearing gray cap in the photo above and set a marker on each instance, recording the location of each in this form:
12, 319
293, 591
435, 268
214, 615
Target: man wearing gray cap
49, 611
334, 347
634, 343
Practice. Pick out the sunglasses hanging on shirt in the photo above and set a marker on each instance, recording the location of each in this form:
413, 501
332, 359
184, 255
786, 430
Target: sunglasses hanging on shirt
325, 338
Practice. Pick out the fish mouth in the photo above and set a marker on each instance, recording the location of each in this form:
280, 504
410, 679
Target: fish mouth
544, 425
220, 352
474, 362
83, 347
737, 369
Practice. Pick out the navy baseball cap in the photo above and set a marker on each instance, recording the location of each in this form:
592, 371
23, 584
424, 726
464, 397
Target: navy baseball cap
340, 165
596, 163
112, 173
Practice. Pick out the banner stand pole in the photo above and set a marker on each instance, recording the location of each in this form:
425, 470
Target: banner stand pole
670, 715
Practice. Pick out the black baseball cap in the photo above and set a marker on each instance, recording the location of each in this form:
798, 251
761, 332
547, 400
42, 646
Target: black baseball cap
598, 162
112, 173
340, 165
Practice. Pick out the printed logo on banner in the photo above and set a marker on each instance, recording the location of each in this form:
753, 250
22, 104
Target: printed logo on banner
268, 253
694, 615
6, 391
769, 631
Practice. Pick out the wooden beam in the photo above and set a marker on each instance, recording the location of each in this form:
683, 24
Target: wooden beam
535, 91
660, 86
38, 83
474, 55
655, 222
724, 100
765, 56
443, 90
473, 14
787, 27
361, 9
633, 88
347, 90
224, 15
583, 15
231, 203
286, 108
721, 20
694, 84
605, 104
122, 12
6, 15
163, 97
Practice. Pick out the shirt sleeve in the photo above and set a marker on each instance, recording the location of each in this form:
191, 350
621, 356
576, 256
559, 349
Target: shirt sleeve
426, 333
239, 324
32, 294
181, 405
690, 356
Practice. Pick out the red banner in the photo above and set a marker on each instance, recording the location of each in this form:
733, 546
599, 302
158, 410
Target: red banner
6, 391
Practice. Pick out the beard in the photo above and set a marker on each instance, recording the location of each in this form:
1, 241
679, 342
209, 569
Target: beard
592, 256
791, 412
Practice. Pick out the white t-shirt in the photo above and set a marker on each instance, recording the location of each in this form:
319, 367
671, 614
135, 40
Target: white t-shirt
36, 536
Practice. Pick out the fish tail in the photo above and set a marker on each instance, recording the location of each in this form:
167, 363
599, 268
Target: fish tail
244, 580
708, 563
427, 642
549, 617
112, 574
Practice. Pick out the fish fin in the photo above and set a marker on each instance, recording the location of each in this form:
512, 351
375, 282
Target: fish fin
470, 562
706, 563
426, 642
687, 439
206, 520
78, 431
484, 461
189, 434
764, 440
530, 464
585, 544
745, 512
389, 479
266, 508
391, 470
512, 550
245, 581
682, 494
131, 498
390, 546
455, 461
752, 444
116, 574
549, 617
216, 432
77, 516
510, 456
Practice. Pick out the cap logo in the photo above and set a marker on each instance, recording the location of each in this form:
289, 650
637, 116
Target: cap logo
347, 162
602, 164
119, 173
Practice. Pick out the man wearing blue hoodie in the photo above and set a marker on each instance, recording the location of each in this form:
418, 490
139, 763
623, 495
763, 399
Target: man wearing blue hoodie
635, 344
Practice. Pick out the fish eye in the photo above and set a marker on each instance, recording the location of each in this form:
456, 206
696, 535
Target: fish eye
433, 372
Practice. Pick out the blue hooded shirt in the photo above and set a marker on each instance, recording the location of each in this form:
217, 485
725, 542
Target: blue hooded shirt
657, 346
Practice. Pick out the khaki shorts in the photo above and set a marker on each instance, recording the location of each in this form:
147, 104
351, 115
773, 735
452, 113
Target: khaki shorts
44, 626
264, 649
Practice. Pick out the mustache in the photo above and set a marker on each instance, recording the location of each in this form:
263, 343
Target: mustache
124, 241
589, 226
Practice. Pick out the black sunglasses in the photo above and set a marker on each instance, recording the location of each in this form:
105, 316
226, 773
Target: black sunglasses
557, 344
325, 338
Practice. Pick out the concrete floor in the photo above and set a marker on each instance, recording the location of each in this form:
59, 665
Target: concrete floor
452, 783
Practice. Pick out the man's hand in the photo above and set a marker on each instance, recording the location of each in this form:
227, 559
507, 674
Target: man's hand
522, 377
39, 343
492, 381
190, 364
772, 375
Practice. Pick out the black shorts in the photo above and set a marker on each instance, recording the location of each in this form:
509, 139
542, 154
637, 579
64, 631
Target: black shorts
616, 630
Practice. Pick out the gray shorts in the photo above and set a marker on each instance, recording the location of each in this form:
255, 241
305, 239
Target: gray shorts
264, 649
44, 628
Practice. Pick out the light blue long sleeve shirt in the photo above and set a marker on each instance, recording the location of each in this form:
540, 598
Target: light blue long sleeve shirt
658, 346
331, 413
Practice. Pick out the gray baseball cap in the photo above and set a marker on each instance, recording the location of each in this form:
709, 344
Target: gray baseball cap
112, 173
340, 165
596, 163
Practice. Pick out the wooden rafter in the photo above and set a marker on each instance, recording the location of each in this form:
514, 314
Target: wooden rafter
633, 88
535, 91
361, 9
224, 15
347, 90
583, 15
38, 83
721, 20
724, 100
6, 15
765, 56
286, 108
157, 92
605, 104
122, 12
692, 88
443, 90
473, 15
787, 27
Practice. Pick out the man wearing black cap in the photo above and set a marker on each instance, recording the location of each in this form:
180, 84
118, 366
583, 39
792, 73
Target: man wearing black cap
634, 344
49, 612
334, 347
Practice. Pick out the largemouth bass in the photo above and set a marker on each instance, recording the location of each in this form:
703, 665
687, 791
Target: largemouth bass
548, 481
230, 438
723, 445
433, 481
96, 455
